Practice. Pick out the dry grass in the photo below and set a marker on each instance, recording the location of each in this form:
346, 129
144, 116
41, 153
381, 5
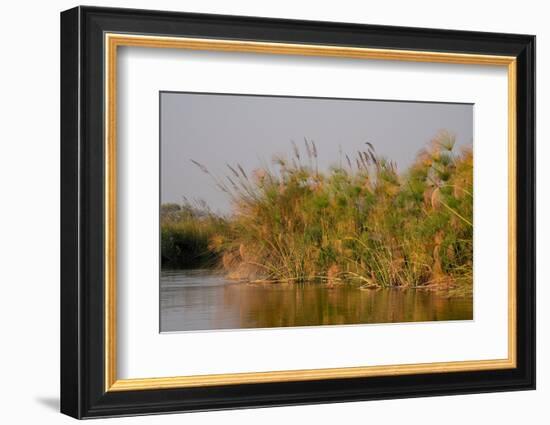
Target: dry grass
360, 221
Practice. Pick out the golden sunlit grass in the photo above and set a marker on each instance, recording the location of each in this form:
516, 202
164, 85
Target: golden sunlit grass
361, 221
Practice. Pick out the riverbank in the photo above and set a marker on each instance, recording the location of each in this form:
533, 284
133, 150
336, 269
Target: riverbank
361, 221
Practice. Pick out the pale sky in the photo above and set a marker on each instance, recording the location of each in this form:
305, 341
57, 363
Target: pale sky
248, 130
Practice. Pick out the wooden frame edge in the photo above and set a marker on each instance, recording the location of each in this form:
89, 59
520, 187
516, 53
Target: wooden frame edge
114, 40
307, 375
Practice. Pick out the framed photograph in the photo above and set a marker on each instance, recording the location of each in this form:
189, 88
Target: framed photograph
261, 212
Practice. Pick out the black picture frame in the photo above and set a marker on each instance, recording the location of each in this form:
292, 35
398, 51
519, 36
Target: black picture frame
83, 392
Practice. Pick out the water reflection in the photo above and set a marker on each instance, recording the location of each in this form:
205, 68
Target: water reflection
203, 300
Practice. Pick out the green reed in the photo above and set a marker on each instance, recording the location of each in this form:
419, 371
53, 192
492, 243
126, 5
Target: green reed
186, 231
360, 221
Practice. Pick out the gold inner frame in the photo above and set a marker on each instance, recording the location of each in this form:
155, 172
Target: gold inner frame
113, 41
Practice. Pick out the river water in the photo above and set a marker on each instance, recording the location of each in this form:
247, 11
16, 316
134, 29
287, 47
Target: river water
193, 300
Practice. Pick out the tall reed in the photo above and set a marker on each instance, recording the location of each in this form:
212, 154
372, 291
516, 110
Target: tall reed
360, 221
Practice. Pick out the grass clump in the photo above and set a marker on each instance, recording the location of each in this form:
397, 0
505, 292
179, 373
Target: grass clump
186, 231
361, 220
